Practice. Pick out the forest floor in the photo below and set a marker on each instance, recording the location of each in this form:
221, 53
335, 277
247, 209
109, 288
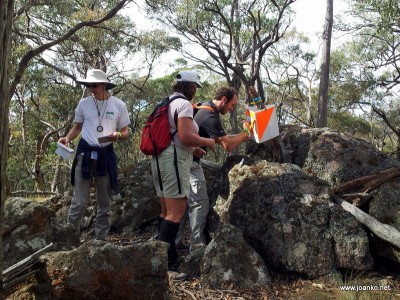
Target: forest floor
290, 286
291, 289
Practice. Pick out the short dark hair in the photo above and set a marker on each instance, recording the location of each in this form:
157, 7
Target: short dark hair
228, 91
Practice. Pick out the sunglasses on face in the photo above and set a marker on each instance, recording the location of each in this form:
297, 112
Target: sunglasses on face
92, 86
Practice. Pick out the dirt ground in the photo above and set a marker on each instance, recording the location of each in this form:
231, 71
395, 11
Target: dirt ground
295, 289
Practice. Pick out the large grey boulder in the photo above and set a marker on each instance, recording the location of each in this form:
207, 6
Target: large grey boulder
101, 270
288, 218
139, 203
29, 226
229, 260
338, 158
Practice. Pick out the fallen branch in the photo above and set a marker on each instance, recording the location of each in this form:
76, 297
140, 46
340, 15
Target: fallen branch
12, 275
369, 183
359, 199
383, 231
358, 195
33, 193
9, 284
187, 292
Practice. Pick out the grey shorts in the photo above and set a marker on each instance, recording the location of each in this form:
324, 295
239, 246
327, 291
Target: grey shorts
168, 173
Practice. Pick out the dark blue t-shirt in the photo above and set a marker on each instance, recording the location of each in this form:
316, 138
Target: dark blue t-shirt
209, 122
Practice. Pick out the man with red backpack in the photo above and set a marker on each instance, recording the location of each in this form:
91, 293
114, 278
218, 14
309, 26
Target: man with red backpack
208, 118
171, 167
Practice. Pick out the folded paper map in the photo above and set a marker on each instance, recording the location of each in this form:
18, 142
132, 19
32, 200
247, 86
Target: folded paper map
64, 151
105, 139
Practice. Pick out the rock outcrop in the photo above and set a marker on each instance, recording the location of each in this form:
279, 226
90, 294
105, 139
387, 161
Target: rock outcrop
271, 211
287, 216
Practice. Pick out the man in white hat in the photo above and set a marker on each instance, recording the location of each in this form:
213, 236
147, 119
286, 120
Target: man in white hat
102, 119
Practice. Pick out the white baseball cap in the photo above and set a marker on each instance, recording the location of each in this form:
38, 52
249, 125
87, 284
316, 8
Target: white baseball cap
96, 76
188, 76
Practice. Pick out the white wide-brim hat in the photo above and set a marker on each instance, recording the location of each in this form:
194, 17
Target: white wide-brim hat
188, 76
96, 76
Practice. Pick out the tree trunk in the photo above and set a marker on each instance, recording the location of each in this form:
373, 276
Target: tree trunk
56, 177
6, 14
37, 168
326, 55
233, 119
398, 145
309, 104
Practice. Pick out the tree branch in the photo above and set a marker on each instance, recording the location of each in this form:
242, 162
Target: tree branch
34, 52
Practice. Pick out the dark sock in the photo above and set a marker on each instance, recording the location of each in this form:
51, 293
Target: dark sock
168, 231
159, 221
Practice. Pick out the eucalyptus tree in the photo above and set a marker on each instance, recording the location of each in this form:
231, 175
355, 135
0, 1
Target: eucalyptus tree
376, 27
42, 106
292, 73
375, 30
351, 87
347, 86
234, 34
228, 37
41, 25
6, 13
324, 78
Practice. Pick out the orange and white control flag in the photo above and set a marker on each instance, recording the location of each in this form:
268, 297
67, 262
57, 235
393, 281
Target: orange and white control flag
264, 123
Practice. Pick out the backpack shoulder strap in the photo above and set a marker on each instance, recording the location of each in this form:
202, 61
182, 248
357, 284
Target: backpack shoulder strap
200, 106
169, 100
175, 97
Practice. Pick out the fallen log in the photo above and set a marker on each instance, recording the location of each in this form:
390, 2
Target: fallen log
20, 279
383, 231
22, 270
368, 183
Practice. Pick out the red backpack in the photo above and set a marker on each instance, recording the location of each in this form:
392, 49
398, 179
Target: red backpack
156, 135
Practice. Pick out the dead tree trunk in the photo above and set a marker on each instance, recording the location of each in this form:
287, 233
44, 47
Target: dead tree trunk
383, 231
362, 188
368, 183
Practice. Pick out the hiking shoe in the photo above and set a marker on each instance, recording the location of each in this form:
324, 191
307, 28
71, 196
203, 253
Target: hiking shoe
175, 276
177, 262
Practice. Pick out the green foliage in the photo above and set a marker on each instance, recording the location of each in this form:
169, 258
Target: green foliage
350, 124
157, 41
292, 78
377, 25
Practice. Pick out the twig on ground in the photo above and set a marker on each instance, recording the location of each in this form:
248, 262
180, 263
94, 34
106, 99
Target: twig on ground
187, 292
